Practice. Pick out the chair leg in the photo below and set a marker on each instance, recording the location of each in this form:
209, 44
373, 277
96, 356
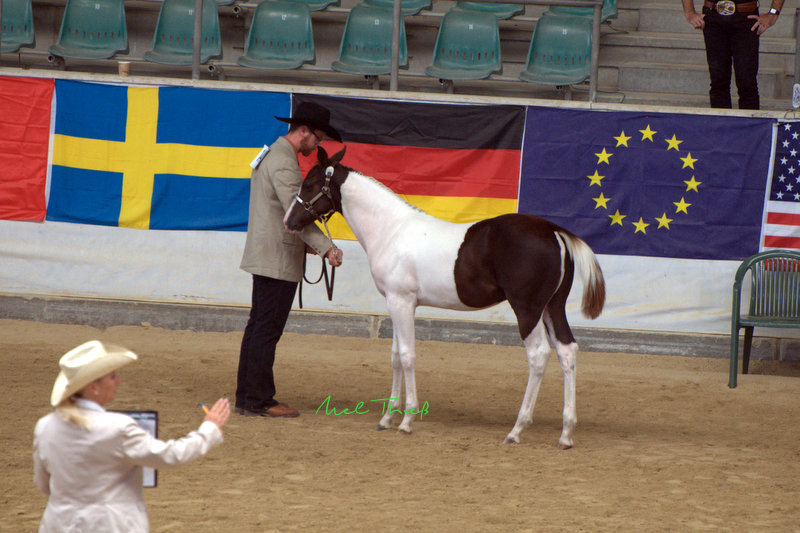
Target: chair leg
734, 357
748, 341
447, 85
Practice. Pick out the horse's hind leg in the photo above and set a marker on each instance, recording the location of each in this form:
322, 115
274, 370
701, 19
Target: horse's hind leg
538, 351
567, 350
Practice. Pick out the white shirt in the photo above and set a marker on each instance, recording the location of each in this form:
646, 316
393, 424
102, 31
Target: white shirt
94, 475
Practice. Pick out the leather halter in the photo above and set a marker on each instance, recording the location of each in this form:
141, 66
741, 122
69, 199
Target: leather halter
326, 192
309, 206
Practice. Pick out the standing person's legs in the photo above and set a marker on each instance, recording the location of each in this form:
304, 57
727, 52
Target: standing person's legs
745, 62
272, 302
719, 57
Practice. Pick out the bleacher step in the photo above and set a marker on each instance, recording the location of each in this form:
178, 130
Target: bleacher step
687, 79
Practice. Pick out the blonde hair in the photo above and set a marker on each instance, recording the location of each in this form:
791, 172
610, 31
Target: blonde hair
69, 412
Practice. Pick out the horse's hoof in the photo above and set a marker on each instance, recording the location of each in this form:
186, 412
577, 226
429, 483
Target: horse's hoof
404, 431
509, 440
380, 428
564, 446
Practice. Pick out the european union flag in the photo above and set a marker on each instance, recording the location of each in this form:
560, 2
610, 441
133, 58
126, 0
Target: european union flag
158, 157
648, 184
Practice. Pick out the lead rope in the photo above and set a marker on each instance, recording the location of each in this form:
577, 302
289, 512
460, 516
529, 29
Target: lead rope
322, 274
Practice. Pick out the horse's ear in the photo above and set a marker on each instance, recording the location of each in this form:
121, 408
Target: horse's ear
337, 157
322, 155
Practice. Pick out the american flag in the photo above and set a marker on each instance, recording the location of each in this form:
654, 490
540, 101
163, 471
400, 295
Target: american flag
781, 225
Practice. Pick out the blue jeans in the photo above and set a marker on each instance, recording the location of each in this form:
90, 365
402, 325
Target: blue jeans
271, 303
731, 43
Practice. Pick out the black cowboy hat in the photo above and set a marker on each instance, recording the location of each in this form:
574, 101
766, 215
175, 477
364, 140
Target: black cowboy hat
314, 116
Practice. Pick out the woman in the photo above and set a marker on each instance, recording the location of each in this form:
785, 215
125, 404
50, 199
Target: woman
89, 460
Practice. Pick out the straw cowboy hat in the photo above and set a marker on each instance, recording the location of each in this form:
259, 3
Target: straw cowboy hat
86, 363
314, 116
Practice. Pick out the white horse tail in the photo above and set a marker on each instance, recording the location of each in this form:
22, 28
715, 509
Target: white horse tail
594, 286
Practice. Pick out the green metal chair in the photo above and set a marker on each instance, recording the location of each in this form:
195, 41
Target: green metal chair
318, 5
501, 11
560, 52
774, 300
17, 30
407, 7
92, 29
366, 46
609, 10
280, 37
172, 41
467, 46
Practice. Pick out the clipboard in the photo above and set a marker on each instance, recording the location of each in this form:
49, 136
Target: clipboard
147, 420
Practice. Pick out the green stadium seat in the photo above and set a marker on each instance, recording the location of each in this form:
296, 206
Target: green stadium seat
501, 11
560, 51
467, 46
407, 7
366, 46
609, 10
92, 29
172, 41
280, 37
318, 5
17, 30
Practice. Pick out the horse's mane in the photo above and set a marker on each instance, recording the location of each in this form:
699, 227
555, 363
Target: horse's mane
386, 190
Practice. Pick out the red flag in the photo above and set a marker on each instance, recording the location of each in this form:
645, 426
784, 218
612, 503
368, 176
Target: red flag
24, 138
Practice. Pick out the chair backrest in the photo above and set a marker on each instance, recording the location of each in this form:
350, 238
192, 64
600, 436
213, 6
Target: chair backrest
366, 46
560, 51
609, 10
501, 11
17, 21
280, 36
172, 40
467, 46
774, 283
407, 7
318, 5
92, 29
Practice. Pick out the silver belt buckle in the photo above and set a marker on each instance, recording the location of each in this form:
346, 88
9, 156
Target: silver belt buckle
725, 7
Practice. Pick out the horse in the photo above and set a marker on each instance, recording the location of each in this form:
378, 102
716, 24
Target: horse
419, 260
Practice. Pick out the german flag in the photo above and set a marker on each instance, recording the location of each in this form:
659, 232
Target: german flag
456, 162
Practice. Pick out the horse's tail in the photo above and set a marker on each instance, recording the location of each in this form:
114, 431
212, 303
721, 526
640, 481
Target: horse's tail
594, 286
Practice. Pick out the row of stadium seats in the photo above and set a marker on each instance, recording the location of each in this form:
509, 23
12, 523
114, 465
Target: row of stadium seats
280, 37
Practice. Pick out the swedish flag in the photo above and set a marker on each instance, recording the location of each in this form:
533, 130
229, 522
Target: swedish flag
158, 157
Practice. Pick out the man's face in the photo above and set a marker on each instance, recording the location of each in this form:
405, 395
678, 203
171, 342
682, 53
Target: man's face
311, 140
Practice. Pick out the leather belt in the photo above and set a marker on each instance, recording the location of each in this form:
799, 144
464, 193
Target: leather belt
727, 7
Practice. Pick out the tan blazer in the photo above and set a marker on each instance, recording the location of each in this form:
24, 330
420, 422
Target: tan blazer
269, 249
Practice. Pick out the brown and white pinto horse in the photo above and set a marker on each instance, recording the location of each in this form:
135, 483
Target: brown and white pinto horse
416, 259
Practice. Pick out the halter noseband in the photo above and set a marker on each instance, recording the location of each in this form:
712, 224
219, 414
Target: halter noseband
326, 192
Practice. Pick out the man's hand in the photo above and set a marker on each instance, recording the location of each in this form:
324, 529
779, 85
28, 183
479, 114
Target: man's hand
696, 20
334, 256
763, 22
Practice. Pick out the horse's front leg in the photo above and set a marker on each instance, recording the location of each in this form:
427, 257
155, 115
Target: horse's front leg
392, 404
401, 310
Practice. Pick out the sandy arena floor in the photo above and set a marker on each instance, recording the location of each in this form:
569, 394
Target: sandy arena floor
662, 444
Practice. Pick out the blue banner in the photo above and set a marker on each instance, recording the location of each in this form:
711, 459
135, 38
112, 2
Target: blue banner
648, 184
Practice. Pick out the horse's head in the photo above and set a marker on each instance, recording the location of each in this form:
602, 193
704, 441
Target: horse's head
319, 196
